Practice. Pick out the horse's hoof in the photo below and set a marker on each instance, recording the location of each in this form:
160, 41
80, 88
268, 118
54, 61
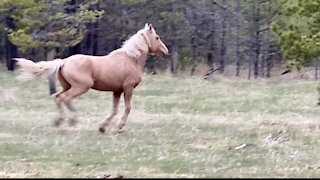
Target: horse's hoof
73, 122
101, 129
120, 131
56, 123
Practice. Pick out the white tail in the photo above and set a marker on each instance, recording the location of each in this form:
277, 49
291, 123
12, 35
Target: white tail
29, 69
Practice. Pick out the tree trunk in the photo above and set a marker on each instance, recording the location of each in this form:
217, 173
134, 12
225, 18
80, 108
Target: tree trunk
2, 48
223, 45
238, 40
269, 48
72, 9
263, 54
91, 44
257, 38
95, 40
250, 68
174, 59
263, 63
316, 72
210, 61
268, 54
316, 69
12, 52
194, 51
95, 35
89, 40
75, 49
11, 49
269, 61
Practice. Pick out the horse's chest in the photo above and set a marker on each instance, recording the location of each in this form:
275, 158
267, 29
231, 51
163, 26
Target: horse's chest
134, 79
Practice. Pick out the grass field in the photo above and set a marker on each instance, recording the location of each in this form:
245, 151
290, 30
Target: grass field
177, 128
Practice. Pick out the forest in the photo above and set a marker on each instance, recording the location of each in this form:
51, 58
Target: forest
244, 38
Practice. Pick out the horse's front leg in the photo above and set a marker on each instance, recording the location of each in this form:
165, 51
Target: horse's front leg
115, 105
127, 101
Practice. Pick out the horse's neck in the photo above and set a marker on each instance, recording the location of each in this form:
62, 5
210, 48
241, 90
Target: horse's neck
139, 61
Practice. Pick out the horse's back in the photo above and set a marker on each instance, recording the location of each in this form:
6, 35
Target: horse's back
98, 72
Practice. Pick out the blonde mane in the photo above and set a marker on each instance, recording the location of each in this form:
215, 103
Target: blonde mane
137, 44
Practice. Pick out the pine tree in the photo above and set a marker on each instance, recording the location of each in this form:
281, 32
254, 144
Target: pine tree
49, 24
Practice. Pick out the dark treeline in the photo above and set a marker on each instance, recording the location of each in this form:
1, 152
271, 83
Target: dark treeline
231, 37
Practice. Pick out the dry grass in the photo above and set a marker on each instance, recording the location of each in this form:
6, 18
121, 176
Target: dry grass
177, 128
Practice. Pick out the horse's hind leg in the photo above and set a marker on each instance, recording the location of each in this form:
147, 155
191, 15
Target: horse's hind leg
67, 98
115, 105
61, 116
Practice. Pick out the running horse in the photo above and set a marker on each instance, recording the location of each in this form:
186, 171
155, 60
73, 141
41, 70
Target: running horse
120, 72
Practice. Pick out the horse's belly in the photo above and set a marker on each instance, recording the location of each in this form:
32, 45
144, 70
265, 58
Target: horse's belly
104, 86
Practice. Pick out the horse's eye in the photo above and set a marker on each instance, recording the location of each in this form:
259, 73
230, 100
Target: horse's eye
157, 38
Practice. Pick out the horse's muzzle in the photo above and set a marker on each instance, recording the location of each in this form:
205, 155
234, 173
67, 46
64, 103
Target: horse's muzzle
164, 50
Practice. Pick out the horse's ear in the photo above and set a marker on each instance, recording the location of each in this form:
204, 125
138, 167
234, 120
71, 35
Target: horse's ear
146, 26
150, 27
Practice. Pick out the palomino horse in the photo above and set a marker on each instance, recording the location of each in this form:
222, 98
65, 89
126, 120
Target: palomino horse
120, 72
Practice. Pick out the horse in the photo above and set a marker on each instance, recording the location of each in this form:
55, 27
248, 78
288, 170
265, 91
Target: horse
120, 72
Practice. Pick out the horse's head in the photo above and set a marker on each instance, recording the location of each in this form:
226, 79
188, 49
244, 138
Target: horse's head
156, 46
